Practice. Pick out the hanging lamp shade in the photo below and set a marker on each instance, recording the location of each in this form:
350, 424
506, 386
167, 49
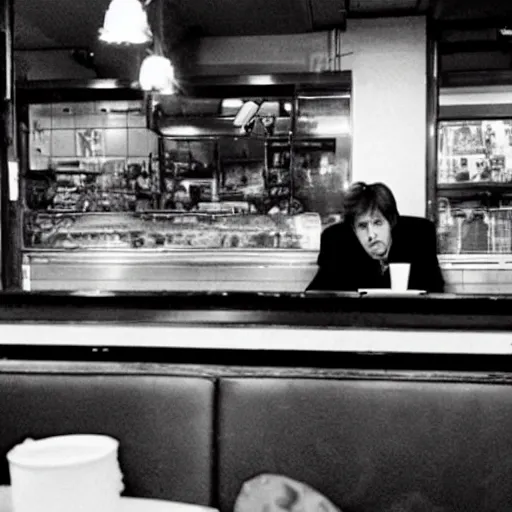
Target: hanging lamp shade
157, 74
126, 22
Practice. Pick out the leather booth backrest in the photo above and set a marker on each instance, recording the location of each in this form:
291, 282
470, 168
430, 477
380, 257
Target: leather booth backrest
370, 445
164, 424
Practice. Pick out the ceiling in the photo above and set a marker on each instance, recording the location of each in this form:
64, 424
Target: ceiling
51, 25
76, 22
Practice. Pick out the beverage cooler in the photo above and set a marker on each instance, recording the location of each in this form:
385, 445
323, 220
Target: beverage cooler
474, 193
174, 193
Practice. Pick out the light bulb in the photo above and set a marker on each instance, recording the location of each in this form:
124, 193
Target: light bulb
126, 22
157, 74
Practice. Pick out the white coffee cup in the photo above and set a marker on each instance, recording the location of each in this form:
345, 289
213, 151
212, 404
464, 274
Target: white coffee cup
62, 473
399, 273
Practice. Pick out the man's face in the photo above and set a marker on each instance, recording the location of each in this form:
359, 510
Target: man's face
374, 233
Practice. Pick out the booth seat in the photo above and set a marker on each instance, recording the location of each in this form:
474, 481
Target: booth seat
370, 443
163, 422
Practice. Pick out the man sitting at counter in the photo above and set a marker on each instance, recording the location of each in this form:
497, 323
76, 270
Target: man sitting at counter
356, 253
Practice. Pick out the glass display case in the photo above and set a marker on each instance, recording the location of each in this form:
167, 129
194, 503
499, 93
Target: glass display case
474, 189
84, 158
169, 231
119, 196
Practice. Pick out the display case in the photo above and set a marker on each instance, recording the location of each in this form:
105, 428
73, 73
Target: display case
475, 186
169, 231
196, 202
474, 189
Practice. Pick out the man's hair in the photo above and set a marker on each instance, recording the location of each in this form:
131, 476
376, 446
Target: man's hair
361, 198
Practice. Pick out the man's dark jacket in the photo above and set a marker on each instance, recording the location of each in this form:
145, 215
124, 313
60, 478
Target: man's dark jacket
345, 265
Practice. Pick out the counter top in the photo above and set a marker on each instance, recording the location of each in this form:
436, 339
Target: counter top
340, 330
312, 309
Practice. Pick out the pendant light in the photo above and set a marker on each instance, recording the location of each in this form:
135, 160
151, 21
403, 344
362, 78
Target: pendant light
126, 22
157, 74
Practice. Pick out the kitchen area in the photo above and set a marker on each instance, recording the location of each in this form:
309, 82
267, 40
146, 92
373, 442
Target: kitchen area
195, 202
111, 203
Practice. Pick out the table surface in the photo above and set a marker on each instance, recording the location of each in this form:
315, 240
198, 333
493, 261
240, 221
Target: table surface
127, 504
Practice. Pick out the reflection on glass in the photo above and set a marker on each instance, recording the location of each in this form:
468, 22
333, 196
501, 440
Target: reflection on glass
474, 182
98, 179
323, 115
170, 231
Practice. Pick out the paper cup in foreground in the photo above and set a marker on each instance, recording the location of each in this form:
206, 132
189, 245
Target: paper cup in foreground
399, 273
63, 473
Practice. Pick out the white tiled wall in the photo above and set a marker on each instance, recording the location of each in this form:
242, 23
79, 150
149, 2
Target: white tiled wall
122, 126
62, 143
478, 280
116, 142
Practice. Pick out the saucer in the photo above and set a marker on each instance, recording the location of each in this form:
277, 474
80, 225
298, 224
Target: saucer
388, 292
127, 504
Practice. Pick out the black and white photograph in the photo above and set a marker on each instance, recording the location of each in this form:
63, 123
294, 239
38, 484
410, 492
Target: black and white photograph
256, 256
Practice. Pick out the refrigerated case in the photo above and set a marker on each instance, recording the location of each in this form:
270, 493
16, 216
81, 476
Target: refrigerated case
475, 186
109, 204
474, 190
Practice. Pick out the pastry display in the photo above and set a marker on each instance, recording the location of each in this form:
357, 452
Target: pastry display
170, 231
104, 192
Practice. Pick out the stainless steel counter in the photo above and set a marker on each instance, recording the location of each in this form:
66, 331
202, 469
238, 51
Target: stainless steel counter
178, 270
